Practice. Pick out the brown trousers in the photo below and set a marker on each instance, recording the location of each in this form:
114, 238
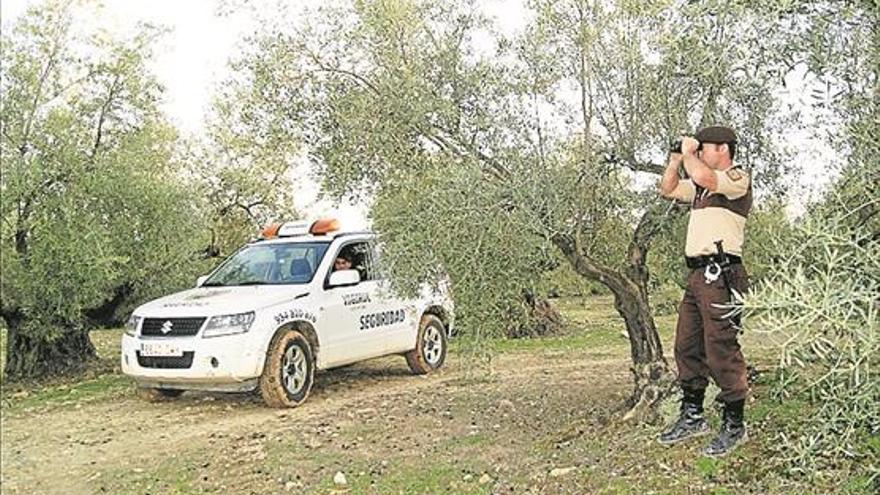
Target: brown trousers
705, 342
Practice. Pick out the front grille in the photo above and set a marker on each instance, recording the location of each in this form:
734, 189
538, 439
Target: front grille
166, 362
179, 327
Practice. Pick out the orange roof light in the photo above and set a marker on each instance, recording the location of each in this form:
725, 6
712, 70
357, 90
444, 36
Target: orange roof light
324, 226
299, 228
270, 231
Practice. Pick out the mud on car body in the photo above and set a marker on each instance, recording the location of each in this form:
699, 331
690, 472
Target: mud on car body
274, 312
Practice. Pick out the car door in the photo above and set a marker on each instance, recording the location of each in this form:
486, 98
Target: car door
400, 324
348, 314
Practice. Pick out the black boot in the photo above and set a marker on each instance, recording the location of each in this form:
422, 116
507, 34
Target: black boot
690, 422
733, 430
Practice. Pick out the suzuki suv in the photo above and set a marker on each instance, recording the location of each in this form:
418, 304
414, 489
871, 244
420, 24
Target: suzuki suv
276, 311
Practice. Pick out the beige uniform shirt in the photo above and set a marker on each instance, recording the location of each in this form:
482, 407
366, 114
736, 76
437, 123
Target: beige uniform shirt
719, 215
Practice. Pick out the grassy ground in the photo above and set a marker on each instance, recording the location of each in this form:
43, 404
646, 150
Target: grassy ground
543, 418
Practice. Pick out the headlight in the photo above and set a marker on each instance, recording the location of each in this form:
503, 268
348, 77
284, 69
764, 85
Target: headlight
228, 324
132, 325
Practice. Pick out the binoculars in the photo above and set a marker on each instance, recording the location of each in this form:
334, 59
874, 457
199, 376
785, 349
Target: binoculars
675, 146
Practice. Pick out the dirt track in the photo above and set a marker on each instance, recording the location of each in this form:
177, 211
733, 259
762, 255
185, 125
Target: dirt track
542, 422
360, 420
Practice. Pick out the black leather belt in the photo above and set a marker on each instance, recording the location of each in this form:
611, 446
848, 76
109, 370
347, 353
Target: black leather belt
702, 261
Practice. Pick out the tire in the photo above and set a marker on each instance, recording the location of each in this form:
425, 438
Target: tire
150, 394
430, 351
289, 371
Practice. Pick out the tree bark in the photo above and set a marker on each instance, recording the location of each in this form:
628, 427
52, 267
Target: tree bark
105, 315
544, 318
35, 357
652, 376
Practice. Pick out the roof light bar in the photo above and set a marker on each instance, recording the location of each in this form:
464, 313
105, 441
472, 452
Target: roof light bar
270, 231
322, 226
290, 229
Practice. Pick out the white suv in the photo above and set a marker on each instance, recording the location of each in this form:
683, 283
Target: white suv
277, 310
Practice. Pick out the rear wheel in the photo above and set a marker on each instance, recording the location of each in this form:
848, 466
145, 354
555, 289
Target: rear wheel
430, 351
289, 371
158, 394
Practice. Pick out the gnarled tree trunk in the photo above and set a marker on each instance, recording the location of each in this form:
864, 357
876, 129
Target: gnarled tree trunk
652, 376
544, 319
34, 357
651, 373
106, 315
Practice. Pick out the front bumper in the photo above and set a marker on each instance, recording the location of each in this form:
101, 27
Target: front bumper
228, 363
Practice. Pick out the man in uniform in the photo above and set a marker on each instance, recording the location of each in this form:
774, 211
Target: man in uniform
720, 195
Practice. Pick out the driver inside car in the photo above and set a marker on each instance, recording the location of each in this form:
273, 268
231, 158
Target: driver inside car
343, 261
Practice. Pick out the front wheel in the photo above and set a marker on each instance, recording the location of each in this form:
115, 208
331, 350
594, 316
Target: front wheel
289, 371
430, 351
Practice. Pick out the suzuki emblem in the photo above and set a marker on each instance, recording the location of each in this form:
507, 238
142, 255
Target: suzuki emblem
166, 327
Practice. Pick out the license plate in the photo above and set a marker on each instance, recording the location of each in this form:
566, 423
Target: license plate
155, 349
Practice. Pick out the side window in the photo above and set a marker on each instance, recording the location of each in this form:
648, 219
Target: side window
363, 258
374, 267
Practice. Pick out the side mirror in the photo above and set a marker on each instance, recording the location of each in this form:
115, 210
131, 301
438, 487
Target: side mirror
201, 280
343, 278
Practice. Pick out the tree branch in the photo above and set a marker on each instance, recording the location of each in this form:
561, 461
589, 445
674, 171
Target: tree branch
635, 165
649, 224
105, 108
588, 267
583, 81
447, 143
247, 207
35, 104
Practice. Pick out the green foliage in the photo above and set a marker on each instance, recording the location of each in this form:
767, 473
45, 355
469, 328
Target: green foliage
495, 273
92, 203
820, 300
475, 157
768, 230
819, 304
667, 252
562, 281
245, 170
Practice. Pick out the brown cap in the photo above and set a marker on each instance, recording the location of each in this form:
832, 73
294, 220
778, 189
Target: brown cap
716, 134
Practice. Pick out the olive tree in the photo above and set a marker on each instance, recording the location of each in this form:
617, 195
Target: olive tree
819, 301
489, 161
246, 166
95, 214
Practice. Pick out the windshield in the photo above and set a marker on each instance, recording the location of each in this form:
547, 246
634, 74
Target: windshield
270, 264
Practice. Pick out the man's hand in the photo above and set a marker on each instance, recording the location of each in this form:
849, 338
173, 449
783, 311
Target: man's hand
696, 169
689, 145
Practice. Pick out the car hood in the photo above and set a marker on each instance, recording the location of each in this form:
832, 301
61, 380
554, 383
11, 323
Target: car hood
209, 301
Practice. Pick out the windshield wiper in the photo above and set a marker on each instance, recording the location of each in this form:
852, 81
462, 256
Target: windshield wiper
252, 282
212, 284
